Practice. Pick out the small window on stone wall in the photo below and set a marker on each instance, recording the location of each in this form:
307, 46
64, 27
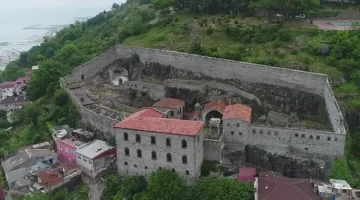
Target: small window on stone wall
311, 137
254, 131
302, 135
268, 132
276, 133
296, 134
329, 138
317, 137
336, 139
306, 149
238, 125
232, 132
173, 170
135, 165
240, 133
125, 163
187, 172
261, 132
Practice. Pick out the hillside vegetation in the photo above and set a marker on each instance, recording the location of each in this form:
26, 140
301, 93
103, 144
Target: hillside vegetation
204, 27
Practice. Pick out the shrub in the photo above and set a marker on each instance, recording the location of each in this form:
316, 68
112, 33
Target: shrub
176, 20
236, 22
209, 31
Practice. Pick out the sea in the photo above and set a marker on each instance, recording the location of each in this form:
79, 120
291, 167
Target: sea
24, 23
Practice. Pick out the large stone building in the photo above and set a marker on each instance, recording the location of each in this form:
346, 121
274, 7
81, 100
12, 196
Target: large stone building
147, 142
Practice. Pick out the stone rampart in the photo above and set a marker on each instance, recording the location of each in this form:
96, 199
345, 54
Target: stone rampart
155, 92
92, 67
213, 149
333, 110
301, 142
227, 69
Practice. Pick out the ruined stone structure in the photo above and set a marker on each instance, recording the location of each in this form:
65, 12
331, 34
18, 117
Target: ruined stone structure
159, 73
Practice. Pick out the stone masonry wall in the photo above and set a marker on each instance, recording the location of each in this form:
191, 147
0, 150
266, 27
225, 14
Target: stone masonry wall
333, 109
145, 165
213, 149
227, 69
155, 92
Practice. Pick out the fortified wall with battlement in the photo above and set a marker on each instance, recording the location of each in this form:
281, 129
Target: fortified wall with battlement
282, 140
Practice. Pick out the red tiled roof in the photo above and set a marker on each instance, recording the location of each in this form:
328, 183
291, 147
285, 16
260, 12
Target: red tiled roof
162, 125
285, 188
266, 174
169, 103
50, 178
23, 79
147, 112
247, 174
237, 111
217, 105
7, 84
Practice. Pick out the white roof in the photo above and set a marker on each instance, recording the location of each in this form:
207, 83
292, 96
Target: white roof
35, 67
324, 189
94, 149
340, 184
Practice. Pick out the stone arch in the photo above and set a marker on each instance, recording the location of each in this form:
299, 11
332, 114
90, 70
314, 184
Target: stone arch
213, 113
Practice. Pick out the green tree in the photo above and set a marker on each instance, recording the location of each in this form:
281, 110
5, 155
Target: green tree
48, 73
130, 187
163, 185
221, 189
61, 97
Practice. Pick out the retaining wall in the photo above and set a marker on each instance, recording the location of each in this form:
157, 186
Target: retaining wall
213, 149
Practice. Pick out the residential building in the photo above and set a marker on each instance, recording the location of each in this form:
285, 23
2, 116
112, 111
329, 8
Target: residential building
61, 132
276, 188
66, 150
247, 174
174, 107
7, 89
95, 157
13, 102
146, 144
27, 162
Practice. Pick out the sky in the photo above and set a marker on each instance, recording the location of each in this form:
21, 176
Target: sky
36, 4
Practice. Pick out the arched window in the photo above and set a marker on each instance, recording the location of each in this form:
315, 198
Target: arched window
138, 139
183, 144
153, 140
168, 157
139, 153
126, 137
254, 131
82, 77
127, 152
184, 159
168, 142
311, 137
153, 155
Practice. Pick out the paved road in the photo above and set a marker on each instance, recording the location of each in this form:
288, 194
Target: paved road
96, 188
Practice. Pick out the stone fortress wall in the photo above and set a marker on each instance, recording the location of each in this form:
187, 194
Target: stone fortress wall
246, 72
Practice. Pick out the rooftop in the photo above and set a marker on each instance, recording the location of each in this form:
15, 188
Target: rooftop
237, 111
94, 149
169, 103
73, 142
83, 132
216, 105
340, 184
247, 174
162, 125
147, 112
7, 84
270, 188
50, 178
15, 100
23, 156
